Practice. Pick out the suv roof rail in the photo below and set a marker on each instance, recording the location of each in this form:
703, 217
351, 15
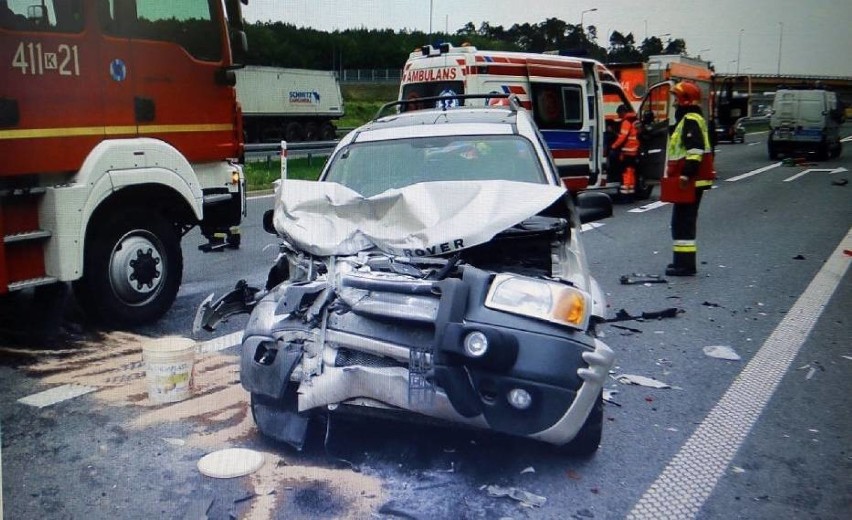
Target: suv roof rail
405, 105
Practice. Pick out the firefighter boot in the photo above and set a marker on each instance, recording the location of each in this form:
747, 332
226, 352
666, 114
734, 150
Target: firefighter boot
628, 181
683, 265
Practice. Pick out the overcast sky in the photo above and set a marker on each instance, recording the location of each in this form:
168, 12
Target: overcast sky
815, 38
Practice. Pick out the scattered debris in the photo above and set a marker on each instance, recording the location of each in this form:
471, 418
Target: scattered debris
393, 509
840, 182
721, 352
799, 257
630, 379
847, 357
573, 475
711, 304
737, 469
526, 498
244, 498
528, 469
174, 442
230, 463
623, 315
639, 278
812, 368
608, 394
628, 329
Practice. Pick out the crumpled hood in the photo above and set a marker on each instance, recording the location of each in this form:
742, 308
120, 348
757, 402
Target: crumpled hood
326, 218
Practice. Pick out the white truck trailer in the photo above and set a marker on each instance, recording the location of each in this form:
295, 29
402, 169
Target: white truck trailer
289, 104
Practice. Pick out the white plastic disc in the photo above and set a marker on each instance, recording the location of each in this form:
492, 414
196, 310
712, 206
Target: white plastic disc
230, 463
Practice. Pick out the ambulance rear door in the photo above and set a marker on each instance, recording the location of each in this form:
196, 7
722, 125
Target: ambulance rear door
442, 75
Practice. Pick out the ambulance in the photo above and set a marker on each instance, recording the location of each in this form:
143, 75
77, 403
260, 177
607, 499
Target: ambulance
573, 101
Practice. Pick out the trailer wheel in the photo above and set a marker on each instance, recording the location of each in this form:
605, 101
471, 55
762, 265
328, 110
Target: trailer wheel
293, 132
311, 131
328, 132
132, 269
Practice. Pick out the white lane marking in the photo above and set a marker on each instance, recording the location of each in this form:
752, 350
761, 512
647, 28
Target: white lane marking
689, 478
754, 143
56, 395
590, 226
221, 343
846, 139
65, 392
753, 172
648, 207
831, 171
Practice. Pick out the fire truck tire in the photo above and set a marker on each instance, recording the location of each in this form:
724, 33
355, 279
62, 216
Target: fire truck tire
132, 269
293, 132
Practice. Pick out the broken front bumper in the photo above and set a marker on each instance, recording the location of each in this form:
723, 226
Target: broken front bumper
397, 343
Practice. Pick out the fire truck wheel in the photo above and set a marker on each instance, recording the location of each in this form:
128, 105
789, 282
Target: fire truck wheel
132, 269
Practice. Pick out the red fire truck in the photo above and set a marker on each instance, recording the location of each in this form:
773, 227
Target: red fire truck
119, 132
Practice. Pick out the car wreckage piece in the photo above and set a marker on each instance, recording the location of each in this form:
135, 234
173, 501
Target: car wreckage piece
496, 334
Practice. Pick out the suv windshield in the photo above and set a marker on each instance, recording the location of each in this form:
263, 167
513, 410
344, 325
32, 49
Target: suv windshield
375, 166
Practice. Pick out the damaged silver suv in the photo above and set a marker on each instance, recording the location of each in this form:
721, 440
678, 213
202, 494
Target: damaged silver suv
434, 271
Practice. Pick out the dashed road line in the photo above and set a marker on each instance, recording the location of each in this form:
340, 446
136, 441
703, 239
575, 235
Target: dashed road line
648, 207
753, 172
56, 395
590, 226
687, 481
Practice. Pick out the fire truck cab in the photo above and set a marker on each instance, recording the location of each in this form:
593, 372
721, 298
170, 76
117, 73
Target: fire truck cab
119, 132
572, 100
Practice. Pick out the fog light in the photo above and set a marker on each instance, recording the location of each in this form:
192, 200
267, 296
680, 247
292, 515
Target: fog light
475, 344
520, 398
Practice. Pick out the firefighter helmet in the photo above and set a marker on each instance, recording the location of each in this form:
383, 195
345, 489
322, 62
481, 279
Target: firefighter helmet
686, 93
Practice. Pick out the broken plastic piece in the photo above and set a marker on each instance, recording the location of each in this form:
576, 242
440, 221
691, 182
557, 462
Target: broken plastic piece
230, 463
526, 498
639, 278
631, 379
721, 352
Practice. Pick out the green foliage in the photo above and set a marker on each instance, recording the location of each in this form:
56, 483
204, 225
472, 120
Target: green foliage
284, 45
261, 174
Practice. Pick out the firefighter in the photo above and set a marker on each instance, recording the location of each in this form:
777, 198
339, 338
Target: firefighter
690, 159
626, 148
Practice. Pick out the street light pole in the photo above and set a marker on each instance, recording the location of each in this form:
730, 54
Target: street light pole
780, 38
593, 9
739, 50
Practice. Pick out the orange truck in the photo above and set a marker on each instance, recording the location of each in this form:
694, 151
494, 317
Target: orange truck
637, 78
120, 131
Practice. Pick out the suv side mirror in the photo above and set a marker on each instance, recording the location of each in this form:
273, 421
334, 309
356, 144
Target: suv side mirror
593, 206
268, 225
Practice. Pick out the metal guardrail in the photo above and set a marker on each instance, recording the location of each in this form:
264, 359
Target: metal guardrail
307, 146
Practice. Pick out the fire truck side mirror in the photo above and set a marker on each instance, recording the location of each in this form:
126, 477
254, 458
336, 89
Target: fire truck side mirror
239, 46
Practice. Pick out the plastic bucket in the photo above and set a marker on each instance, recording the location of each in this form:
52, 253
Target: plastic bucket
169, 368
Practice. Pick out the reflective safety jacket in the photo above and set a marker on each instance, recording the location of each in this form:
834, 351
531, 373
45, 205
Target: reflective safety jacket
628, 136
691, 155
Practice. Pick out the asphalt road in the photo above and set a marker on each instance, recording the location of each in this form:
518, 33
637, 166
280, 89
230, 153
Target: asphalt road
767, 436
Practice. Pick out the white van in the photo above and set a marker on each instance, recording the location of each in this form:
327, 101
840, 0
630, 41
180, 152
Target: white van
805, 120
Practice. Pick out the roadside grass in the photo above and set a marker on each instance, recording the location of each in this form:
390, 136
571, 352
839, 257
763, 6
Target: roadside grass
261, 174
363, 100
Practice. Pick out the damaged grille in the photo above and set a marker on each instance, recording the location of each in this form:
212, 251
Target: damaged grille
350, 358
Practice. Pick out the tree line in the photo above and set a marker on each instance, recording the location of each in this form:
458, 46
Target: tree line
285, 45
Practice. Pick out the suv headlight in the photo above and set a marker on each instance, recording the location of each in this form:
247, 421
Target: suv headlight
540, 299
